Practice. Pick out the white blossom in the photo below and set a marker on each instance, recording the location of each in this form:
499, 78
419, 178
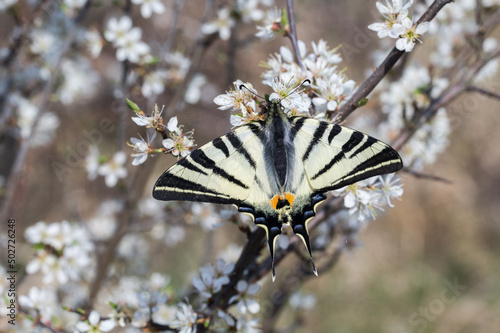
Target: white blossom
409, 34
154, 83
245, 302
80, 81
141, 148
390, 187
193, 91
249, 11
117, 29
114, 169
239, 99
95, 324
93, 42
42, 42
179, 144
248, 326
178, 67
126, 39
285, 89
212, 278
131, 47
222, 24
148, 7
42, 300
270, 24
185, 318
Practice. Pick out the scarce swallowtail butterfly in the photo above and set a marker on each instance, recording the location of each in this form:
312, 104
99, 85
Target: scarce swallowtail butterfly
277, 170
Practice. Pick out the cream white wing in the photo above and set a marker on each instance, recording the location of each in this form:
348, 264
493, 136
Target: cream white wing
335, 156
221, 171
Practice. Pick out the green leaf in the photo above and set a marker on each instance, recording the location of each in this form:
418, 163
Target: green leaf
363, 102
284, 19
132, 106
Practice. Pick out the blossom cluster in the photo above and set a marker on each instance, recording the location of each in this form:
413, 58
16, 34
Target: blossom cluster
365, 197
247, 11
63, 252
319, 84
398, 24
211, 281
126, 39
175, 142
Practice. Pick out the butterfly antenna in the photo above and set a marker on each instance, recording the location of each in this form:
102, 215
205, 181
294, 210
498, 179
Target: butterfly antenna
306, 81
253, 92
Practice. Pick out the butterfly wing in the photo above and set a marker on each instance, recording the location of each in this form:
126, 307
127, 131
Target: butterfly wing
221, 171
335, 156
329, 157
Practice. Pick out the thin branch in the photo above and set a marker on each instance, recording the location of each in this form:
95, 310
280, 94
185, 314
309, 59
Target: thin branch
292, 33
174, 27
201, 45
426, 176
231, 55
479, 21
37, 321
483, 92
356, 100
122, 119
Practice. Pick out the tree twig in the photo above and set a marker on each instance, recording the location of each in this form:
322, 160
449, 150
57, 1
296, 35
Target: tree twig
419, 175
201, 45
483, 92
292, 34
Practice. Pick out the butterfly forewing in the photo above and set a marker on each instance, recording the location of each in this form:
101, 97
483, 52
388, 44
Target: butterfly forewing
221, 171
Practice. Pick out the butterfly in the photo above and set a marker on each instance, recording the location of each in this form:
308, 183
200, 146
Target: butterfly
277, 170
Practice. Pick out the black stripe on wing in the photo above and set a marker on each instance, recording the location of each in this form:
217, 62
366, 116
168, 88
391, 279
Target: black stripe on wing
221, 145
238, 146
188, 165
297, 124
202, 159
330, 165
354, 140
336, 129
318, 134
172, 187
368, 143
386, 161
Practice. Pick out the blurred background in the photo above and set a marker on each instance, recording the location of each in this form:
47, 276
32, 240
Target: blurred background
430, 264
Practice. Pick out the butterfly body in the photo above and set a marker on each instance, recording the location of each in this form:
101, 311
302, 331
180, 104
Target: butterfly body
277, 170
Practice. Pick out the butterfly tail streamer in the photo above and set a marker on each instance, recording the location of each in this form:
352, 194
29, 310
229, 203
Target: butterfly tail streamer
272, 237
301, 231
